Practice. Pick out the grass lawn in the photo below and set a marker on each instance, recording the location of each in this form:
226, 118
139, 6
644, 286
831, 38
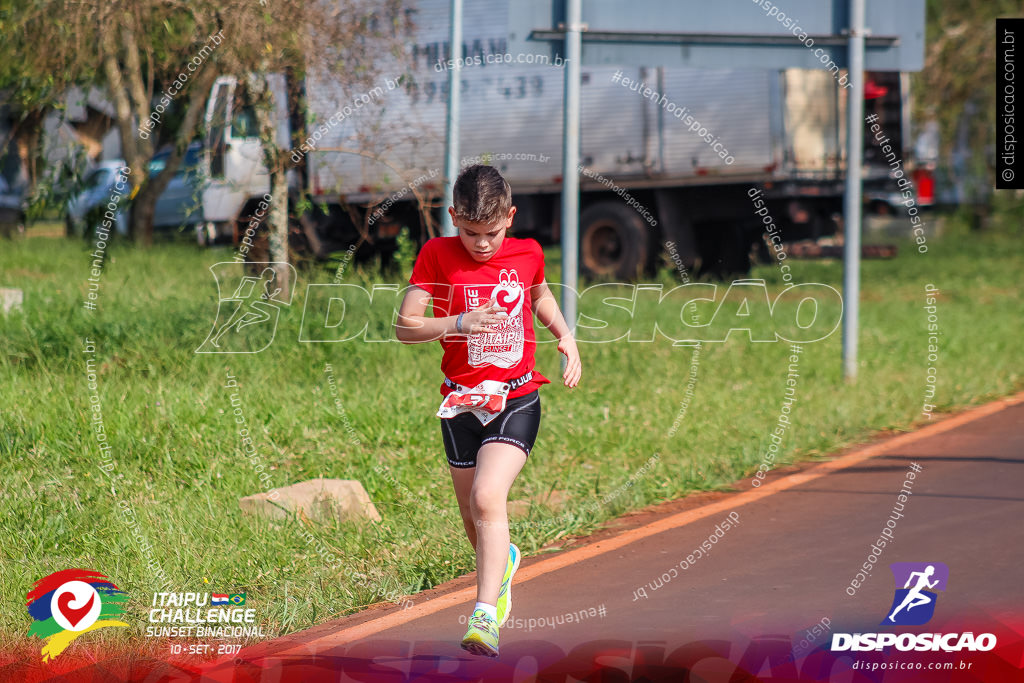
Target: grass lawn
175, 457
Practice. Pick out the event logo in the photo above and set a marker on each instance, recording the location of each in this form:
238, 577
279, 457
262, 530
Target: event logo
504, 346
247, 319
68, 603
508, 293
914, 603
202, 615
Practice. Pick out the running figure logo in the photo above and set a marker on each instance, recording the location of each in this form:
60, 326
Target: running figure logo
914, 603
247, 319
503, 348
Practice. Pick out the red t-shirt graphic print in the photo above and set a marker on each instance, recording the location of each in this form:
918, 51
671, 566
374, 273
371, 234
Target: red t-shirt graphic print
457, 283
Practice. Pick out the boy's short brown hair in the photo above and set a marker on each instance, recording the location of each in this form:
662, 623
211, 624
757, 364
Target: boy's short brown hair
481, 195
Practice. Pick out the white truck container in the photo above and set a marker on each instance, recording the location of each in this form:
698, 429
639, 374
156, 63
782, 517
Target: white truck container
373, 155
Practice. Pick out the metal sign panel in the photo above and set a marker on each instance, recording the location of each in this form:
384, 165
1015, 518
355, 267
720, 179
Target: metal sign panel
801, 34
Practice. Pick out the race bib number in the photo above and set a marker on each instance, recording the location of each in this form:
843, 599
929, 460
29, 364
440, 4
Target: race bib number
486, 401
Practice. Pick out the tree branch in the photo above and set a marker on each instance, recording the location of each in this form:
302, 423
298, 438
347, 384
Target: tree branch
134, 70
130, 146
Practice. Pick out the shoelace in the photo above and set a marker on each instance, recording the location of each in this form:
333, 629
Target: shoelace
483, 623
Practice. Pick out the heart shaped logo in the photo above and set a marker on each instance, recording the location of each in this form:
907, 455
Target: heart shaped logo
509, 292
72, 614
75, 605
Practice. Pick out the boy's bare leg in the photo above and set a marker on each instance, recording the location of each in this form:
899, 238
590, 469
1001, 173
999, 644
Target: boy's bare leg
462, 480
497, 465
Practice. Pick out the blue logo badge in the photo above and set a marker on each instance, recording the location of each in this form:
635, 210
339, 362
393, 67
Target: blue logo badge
916, 586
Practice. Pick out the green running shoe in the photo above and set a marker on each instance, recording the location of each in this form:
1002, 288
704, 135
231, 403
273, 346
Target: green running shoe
482, 636
504, 605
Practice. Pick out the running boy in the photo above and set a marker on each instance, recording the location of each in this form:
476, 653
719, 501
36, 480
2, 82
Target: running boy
485, 287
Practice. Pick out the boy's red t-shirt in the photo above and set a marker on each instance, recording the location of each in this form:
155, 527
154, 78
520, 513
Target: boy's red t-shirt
457, 283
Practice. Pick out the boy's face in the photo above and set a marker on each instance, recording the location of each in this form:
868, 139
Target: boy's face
482, 240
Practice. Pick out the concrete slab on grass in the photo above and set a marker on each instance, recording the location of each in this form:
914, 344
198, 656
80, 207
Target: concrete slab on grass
317, 499
11, 299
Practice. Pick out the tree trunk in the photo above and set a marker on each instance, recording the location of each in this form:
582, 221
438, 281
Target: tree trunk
279, 228
132, 101
143, 207
275, 160
143, 210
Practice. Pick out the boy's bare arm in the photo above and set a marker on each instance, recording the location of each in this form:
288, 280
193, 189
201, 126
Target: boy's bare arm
412, 327
546, 309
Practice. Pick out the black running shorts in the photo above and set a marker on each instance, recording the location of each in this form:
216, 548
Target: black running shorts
463, 434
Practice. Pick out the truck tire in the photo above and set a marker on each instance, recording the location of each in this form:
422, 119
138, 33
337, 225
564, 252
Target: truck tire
613, 241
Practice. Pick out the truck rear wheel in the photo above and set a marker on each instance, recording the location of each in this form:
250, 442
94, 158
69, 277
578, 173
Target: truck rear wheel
613, 241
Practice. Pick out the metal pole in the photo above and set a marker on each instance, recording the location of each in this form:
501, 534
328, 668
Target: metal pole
451, 126
852, 208
570, 162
